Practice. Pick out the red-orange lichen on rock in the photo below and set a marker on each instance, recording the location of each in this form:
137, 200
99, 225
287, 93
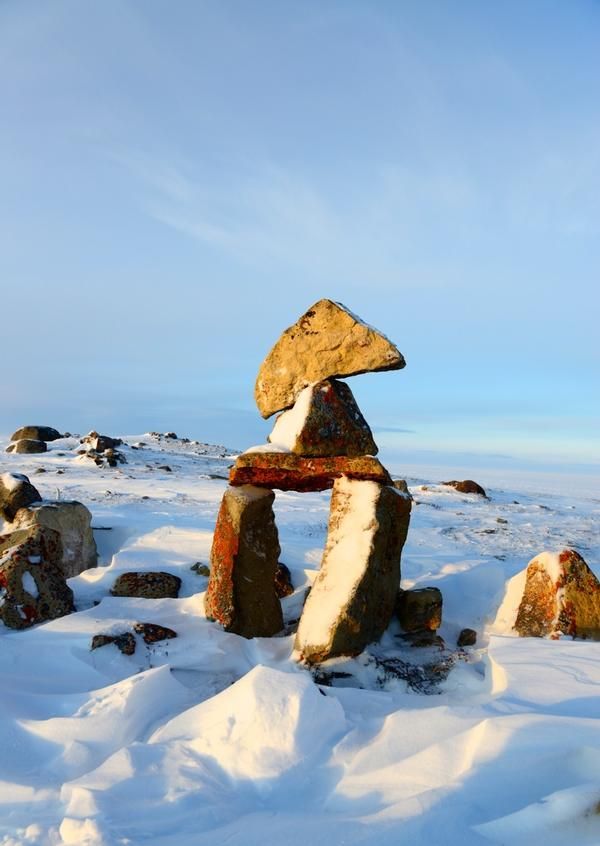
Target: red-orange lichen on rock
289, 472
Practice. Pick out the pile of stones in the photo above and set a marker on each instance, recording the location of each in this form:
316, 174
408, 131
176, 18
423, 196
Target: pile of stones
320, 441
32, 439
102, 449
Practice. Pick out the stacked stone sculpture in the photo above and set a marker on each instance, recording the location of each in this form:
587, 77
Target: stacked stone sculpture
320, 440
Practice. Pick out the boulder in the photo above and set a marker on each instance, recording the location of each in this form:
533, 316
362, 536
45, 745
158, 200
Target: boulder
324, 421
467, 486
561, 596
283, 581
16, 491
327, 341
100, 443
27, 446
36, 433
32, 586
241, 591
420, 609
73, 521
352, 599
289, 472
147, 585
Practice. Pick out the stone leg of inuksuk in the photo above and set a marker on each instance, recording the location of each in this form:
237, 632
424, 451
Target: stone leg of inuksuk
352, 599
241, 590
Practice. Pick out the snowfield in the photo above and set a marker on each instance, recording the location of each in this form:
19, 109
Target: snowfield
213, 739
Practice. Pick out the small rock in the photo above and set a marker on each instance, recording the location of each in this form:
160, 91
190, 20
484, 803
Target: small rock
467, 486
400, 485
36, 433
164, 467
467, 637
152, 633
125, 642
200, 569
501, 520
420, 609
147, 585
40, 470
27, 446
171, 436
283, 581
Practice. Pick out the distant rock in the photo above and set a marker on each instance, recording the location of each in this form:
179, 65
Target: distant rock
467, 637
32, 586
352, 598
467, 486
327, 341
420, 609
171, 436
16, 491
241, 591
27, 446
100, 443
147, 585
325, 421
201, 569
73, 521
283, 581
294, 473
561, 596
400, 485
36, 433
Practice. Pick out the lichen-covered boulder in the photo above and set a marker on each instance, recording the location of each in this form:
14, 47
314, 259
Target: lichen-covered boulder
27, 446
36, 433
147, 585
289, 472
420, 609
561, 596
327, 341
241, 592
32, 586
73, 521
325, 420
467, 486
352, 599
16, 491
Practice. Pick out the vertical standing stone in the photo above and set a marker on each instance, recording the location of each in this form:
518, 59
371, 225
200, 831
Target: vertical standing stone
352, 599
241, 591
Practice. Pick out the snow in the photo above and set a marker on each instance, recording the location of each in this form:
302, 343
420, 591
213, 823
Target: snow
267, 448
11, 481
348, 548
209, 738
289, 424
29, 584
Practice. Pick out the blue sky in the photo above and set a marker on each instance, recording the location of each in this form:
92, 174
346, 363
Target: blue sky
180, 181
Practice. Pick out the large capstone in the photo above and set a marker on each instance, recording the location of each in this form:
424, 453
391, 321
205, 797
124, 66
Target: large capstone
73, 521
32, 585
327, 341
325, 421
289, 472
561, 596
241, 593
16, 491
353, 597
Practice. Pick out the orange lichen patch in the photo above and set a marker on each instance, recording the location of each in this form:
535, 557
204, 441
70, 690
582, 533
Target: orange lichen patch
288, 472
218, 602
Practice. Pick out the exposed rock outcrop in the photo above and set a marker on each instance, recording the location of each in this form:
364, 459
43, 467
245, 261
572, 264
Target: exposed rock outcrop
327, 341
241, 591
27, 446
467, 486
36, 433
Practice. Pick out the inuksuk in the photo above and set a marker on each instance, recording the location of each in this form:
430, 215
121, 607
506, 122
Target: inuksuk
320, 440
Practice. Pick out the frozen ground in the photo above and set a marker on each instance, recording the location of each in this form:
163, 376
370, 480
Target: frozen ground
212, 739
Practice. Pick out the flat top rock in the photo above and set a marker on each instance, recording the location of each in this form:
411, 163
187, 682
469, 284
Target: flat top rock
327, 341
36, 433
289, 472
